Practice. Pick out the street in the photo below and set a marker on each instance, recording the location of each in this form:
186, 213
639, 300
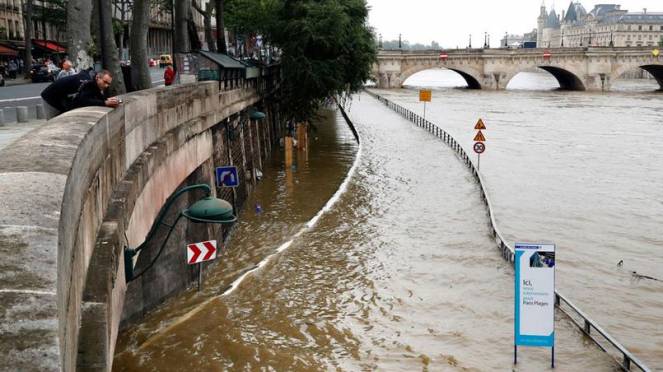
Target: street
29, 95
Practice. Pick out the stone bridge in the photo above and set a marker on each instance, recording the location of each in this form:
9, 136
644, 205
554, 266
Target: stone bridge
78, 190
593, 69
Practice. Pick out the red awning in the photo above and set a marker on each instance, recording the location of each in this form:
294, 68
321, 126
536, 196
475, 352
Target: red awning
7, 51
51, 46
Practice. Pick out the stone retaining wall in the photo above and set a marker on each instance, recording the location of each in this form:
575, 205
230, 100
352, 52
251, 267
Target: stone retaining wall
87, 182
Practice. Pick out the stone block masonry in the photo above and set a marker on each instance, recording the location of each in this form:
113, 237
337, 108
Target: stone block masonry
79, 189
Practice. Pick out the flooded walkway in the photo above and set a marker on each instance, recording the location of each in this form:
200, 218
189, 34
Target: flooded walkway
400, 274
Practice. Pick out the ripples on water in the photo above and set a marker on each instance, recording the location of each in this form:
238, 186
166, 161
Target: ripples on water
583, 170
399, 275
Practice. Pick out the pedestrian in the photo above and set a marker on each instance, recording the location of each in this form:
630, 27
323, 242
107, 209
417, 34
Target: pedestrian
59, 95
169, 75
13, 68
95, 92
67, 70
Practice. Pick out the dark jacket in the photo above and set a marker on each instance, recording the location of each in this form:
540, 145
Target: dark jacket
90, 95
59, 94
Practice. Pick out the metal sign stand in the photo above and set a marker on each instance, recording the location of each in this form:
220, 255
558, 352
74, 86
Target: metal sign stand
424, 110
200, 276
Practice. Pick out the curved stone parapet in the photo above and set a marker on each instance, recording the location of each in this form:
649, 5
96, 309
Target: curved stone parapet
71, 193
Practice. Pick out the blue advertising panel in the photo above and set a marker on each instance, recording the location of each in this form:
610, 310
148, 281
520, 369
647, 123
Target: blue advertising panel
535, 295
227, 177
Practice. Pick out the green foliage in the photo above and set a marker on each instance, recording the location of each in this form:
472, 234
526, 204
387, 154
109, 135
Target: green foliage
660, 42
327, 47
51, 11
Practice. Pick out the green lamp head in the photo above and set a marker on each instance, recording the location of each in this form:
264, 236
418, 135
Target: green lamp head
210, 210
257, 115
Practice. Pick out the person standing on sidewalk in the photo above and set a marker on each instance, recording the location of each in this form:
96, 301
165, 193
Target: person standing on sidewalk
169, 75
13, 69
67, 70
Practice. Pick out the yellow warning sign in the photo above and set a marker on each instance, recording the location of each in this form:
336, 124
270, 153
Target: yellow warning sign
479, 137
425, 95
480, 125
655, 52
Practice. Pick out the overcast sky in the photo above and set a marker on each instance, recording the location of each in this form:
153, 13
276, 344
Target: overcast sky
451, 22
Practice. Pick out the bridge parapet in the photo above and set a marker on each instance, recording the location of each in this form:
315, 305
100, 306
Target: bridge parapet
589, 68
69, 193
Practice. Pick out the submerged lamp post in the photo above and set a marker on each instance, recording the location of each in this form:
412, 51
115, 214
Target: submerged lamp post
205, 210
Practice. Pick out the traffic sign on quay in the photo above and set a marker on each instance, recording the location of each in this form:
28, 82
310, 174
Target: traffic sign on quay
479, 147
227, 177
201, 252
479, 137
480, 125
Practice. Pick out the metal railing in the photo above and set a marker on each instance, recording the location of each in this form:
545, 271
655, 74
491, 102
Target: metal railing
508, 253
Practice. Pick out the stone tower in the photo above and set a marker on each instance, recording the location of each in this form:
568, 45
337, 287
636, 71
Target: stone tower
541, 22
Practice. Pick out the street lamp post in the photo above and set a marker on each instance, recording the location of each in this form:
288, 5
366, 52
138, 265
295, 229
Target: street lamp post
470, 44
485, 40
205, 210
506, 39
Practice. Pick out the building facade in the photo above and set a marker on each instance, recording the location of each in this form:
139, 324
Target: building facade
11, 20
605, 25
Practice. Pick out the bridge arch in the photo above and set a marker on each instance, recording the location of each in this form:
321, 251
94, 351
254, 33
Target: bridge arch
470, 75
566, 77
655, 69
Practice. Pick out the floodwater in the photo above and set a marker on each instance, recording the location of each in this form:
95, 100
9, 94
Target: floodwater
583, 170
398, 274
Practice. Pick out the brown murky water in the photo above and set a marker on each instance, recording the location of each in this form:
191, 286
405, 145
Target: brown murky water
588, 172
399, 274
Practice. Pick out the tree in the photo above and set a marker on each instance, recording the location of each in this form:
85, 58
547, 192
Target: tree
140, 72
207, 21
328, 50
660, 42
182, 42
27, 25
105, 38
220, 26
79, 39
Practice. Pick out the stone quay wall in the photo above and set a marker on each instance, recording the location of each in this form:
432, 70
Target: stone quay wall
78, 190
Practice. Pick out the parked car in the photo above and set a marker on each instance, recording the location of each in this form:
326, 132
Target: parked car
41, 73
2, 81
165, 60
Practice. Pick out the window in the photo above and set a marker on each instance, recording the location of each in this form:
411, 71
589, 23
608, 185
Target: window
651, 28
640, 28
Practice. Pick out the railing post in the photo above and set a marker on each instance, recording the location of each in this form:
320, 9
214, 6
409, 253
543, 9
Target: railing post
626, 363
587, 327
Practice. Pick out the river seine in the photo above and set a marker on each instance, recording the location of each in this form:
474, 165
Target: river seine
399, 272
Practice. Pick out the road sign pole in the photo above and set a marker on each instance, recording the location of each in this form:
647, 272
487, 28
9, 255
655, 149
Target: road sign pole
552, 358
200, 276
424, 110
515, 354
478, 162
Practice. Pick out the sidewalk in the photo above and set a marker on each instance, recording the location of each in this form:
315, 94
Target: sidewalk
13, 131
17, 81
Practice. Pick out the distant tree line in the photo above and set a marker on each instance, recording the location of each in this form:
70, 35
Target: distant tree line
393, 44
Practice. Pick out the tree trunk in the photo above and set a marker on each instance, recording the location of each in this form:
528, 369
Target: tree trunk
181, 26
27, 28
140, 71
106, 41
79, 39
220, 28
207, 22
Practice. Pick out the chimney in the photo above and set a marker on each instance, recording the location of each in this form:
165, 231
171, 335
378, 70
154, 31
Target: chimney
644, 10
